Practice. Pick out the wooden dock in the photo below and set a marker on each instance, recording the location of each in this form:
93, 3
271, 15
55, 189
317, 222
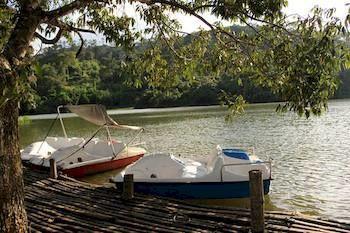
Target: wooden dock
66, 205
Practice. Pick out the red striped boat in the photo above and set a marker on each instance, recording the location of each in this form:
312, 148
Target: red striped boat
78, 157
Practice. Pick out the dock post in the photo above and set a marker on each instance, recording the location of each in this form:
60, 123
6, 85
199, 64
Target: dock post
256, 201
128, 187
53, 169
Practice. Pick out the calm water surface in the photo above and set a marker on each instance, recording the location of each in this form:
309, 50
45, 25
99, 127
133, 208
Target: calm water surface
311, 158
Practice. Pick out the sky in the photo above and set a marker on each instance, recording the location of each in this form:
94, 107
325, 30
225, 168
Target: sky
303, 7
300, 7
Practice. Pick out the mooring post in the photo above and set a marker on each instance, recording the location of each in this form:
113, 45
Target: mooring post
256, 201
53, 169
128, 187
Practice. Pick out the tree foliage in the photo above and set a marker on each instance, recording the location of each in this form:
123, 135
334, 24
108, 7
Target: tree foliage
297, 59
102, 74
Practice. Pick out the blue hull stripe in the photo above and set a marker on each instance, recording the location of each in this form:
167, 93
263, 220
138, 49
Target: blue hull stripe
199, 190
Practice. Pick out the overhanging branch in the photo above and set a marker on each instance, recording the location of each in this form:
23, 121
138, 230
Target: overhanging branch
67, 27
192, 11
67, 9
64, 27
185, 8
267, 22
81, 45
202, 7
50, 41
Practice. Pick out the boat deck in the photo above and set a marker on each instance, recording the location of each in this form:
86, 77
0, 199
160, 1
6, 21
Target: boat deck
67, 205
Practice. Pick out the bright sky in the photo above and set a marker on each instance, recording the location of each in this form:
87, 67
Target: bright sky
303, 7
300, 7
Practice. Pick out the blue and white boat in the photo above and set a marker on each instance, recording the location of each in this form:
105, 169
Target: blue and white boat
224, 175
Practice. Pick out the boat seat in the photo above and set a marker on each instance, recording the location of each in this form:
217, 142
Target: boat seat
72, 154
194, 170
59, 142
37, 150
156, 166
102, 148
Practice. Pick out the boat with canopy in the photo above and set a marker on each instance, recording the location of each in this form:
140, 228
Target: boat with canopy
78, 157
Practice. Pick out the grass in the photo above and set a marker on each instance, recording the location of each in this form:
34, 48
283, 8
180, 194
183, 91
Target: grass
24, 120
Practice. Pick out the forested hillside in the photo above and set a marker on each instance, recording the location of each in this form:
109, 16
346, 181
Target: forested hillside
101, 75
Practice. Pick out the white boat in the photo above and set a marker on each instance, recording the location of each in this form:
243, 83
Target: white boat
78, 157
224, 175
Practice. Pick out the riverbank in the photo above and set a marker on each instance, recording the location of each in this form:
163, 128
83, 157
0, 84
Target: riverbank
68, 205
126, 111
131, 110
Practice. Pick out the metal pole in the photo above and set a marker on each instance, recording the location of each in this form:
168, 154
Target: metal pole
61, 120
111, 142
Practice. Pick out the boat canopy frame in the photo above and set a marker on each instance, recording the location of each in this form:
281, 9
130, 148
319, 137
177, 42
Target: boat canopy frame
101, 118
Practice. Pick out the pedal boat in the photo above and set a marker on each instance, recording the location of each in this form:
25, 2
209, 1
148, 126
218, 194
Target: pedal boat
224, 175
78, 157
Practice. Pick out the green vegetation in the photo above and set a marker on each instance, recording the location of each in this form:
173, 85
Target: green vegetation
101, 74
24, 120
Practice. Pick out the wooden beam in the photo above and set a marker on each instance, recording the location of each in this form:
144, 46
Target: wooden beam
53, 169
256, 201
128, 187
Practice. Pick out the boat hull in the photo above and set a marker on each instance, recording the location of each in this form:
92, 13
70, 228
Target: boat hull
90, 169
100, 167
196, 190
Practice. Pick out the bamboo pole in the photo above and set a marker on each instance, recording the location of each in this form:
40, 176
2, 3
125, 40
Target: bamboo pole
256, 201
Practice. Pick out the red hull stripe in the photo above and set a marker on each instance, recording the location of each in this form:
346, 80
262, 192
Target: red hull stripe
100, 167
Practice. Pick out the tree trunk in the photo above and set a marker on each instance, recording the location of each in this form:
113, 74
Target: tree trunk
13, 216
12, 213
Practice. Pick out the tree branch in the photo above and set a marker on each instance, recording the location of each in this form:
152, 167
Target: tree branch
69, 28
81, 45
186, 9
66, 27
175, 30
67, 9
267, 22
192, 11
62, 28
203, 6
171, 47
49, 41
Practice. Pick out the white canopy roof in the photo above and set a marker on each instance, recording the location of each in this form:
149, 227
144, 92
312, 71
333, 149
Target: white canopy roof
97, 114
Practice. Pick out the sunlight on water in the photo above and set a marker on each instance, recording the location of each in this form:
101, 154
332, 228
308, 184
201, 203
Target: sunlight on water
310, 157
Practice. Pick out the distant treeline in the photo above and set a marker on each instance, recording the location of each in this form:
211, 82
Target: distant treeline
97, 76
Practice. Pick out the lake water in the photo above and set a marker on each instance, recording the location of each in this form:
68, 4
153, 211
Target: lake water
311, 158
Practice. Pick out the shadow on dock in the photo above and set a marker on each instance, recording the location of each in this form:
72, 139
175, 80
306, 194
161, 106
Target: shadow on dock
67, 205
